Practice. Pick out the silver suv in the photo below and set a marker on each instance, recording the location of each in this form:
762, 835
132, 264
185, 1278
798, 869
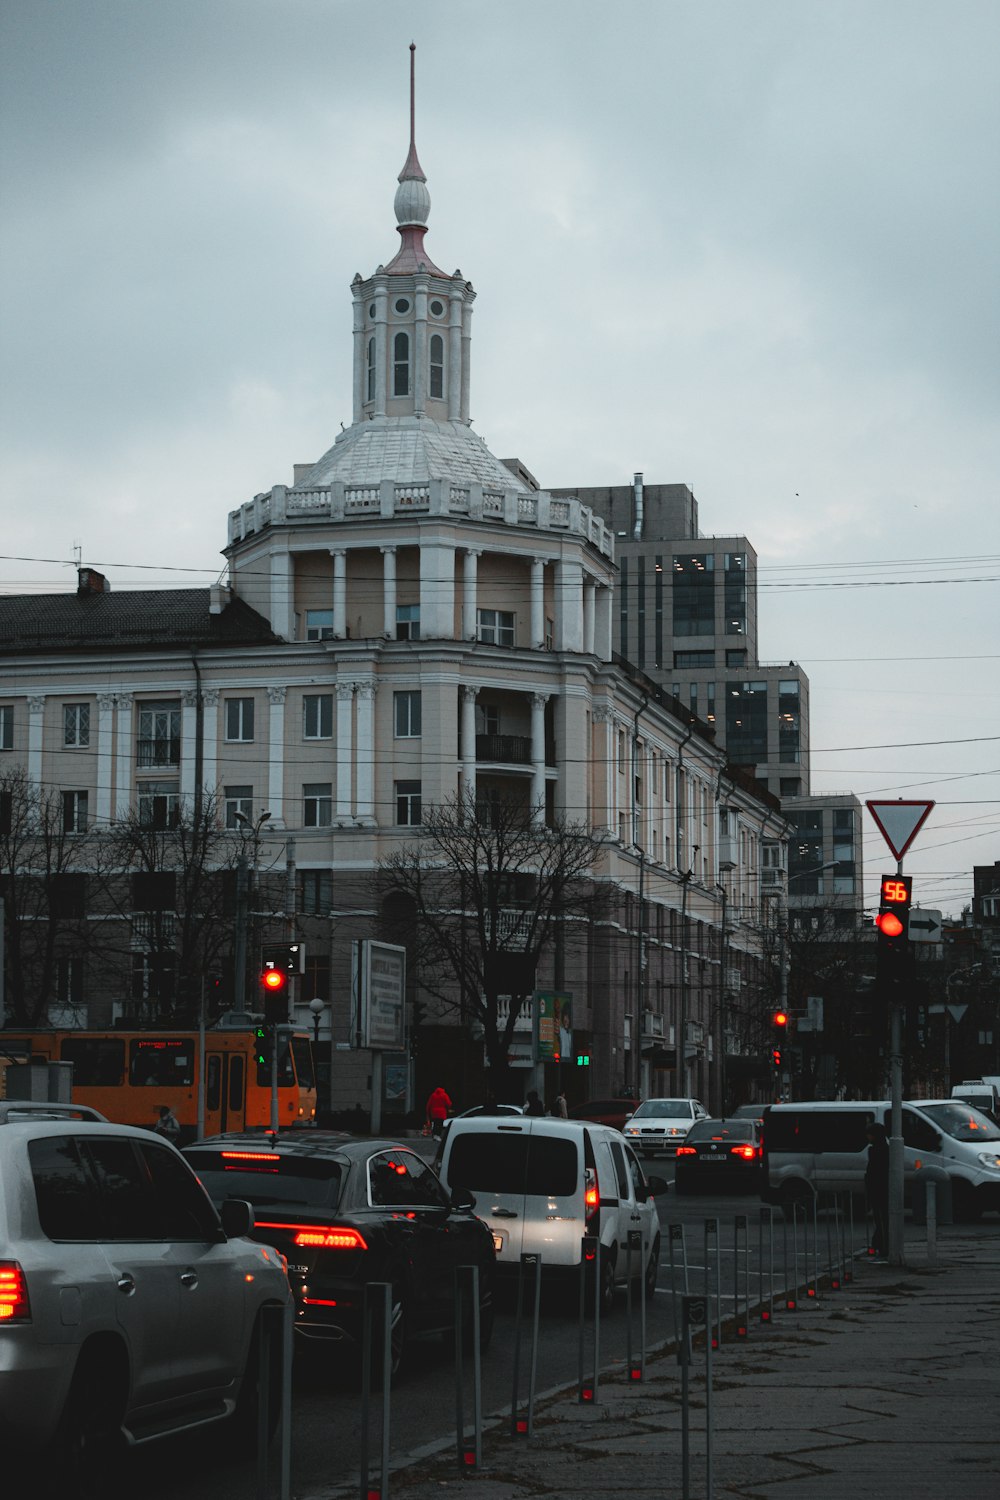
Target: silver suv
128, 1308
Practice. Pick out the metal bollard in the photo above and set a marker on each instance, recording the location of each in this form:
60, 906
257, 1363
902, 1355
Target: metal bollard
376, 1317
741, 1317
812, 1286
589, 1385
712, 1230
675, 1236
470, 1456
695, 1312
766, 1217
530, 1267
932, 1223
636, 1367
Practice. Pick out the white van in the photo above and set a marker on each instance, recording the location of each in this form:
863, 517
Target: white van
822, 1147
541, 1184
980, 1093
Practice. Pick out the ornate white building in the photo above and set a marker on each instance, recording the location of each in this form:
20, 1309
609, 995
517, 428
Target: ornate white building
411, 619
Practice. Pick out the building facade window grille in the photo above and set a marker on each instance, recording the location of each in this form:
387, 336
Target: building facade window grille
496, 627
159, 742
76, 724
401, 364
437, 366
159, 804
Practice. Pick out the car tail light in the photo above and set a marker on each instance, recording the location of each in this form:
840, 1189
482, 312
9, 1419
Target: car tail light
746, 1152
591, 1198
686, 1151
321, 1236
14, 1306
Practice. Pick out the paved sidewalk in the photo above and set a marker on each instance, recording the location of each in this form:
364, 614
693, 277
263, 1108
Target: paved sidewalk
888, 1388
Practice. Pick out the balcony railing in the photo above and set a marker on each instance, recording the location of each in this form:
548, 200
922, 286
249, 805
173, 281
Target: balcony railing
510, 749
158, 752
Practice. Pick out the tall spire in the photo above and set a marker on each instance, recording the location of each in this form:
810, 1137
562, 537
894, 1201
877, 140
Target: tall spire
413, 202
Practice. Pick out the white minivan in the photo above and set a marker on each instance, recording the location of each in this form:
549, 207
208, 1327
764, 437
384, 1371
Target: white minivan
541, 1184
821, 1146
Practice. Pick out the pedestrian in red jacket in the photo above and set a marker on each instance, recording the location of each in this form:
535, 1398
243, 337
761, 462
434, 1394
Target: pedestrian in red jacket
438, 1110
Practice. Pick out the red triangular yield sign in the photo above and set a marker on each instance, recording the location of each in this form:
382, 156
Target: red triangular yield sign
899, 822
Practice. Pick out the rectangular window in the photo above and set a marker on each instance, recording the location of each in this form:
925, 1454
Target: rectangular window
159, 741
694, 594
317, 804
406, 707
6, 726
710, 703
407, 622
736, 658
159, 804
491, 718
746, 722
496, 627
68, 896
239, 719
789, 786
689, 659
407, 803
74, 812
319, 624
98, 1062
735, 593
165, 1061
316, 892
550, 634
239, 799
317, 711
76, 724
154, 890
154, 978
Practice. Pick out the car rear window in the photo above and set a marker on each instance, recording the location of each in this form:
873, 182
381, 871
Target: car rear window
543, 1165
264, 1176
712, 1130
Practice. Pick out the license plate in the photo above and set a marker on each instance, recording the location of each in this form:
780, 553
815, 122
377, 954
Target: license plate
711, 1158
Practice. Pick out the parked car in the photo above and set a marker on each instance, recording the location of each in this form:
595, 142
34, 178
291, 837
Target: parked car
659, 1125
753, 1112
721, 1155
477, 1110
346, 1212
613, 1112
129, 1307
542, 1183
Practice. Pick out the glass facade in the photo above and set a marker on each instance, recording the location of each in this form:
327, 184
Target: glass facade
788, 721
694, 594
746, 721
735, 601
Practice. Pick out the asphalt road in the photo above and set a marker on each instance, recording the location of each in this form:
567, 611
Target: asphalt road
326, 1411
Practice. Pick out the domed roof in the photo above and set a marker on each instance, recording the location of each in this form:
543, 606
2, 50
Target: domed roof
410, 450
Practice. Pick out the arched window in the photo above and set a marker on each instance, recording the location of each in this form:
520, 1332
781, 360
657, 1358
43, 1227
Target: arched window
401, 365
437, 365
371, 369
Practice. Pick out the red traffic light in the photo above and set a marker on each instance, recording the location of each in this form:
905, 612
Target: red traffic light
776, 1056
780, 1018
274, 980
889, 924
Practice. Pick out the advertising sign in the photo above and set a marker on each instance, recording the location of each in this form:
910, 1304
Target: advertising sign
553, 1025
380, 994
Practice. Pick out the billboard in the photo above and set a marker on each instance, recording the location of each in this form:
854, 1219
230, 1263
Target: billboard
553, 1026
379, 995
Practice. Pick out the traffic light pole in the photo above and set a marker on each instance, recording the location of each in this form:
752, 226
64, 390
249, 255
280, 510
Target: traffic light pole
895, 1246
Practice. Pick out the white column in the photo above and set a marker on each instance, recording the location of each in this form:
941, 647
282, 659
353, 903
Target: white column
282, 613
345, 751
339, 593
36, 727
589, 592
276, 756
604, 755
466, 352
538, 603
123, 775
455, 354
105, 765
470, 595
602, 626
538, 702
569, 605
189, 741
210, 741
359, 353
388, 592
382, 350
437, 592
364, 757
467, 731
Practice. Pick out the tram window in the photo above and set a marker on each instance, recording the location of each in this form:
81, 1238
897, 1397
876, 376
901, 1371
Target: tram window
302, 1053
235, 1081
163, 1061
98, 1062
213, 1082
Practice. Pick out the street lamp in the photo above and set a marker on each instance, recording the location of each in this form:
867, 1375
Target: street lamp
317, 1007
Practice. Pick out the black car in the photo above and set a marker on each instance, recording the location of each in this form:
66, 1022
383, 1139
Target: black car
346, 1212
723, 1155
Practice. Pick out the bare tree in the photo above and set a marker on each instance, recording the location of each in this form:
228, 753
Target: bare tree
46, 852
476, 897
166, 879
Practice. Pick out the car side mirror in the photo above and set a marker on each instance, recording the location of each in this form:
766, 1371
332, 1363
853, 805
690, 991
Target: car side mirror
237, 1218
627, 1118
656, 1186
463, 1200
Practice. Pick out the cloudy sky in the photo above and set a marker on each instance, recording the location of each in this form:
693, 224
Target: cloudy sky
750, 245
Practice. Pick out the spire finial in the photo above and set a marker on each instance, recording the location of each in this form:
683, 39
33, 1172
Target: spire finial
413, 94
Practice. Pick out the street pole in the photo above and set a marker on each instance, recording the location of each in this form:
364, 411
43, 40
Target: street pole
201, 1062
896, 1125
240, 945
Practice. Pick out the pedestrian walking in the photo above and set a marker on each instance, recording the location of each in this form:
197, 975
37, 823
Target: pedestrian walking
559, 1109
439, 1107
877, 1188
168, 1124
533, 1105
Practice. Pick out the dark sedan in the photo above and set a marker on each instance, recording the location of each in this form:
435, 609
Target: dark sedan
721, 1155
346, 1212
